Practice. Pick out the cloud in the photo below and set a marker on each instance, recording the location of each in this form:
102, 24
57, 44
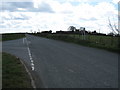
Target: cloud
16, 0
22, 4
14, 20
6, 6
14, 16
44, 7
2, 26
24, 7
20, 18
115, 1
13, 6
60, 14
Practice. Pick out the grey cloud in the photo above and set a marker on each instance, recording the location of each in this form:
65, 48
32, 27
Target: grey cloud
15, 18
44, 7
12, 17
29, 6
20, 18
22, 4
13, 6
92, 18
7, 6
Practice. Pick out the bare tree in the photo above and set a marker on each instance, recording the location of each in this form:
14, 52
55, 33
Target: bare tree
113, 27
115, 30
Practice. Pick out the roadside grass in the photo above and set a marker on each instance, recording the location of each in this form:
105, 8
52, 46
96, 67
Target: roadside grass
103, 42
12, 36
14, 74
0, 37
0, 70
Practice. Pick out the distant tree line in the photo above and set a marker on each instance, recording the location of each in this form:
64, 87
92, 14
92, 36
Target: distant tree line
81, 31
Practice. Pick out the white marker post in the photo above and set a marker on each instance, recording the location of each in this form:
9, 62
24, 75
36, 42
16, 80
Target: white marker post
83, 32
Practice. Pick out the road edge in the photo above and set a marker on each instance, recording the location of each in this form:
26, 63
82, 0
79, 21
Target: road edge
27, 70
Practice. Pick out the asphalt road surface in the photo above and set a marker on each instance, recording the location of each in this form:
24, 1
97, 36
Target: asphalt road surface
57, 64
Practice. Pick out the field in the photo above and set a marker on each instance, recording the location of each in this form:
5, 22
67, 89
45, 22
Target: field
110, 43
14, 74
103, 41
12, 36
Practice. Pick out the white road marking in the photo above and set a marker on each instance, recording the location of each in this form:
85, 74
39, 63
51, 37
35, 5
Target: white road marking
33, 68
31, 61
30, 56
70, 70
32, 64
23, 41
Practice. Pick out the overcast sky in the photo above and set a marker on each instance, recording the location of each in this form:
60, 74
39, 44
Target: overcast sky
27, 15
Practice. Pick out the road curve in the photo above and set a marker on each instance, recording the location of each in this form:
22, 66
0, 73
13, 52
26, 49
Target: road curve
64, 65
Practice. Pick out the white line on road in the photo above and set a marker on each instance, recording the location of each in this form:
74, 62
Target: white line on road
30, 56
70, 70
23, 40
32, 64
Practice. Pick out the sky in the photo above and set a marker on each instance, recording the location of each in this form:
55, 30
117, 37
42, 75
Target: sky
55, 15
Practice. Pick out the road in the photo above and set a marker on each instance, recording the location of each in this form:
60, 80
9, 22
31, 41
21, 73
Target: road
57, 64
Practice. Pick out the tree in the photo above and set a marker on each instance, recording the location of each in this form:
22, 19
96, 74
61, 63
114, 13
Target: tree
113, 27
72, 28
50, 31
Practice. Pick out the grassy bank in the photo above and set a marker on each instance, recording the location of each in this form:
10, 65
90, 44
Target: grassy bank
14, 74
12, 36
0, 37
103, 42
0, 70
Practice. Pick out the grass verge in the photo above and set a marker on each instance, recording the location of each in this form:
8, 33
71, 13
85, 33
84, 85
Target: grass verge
0, 70
12, 36
14, 74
